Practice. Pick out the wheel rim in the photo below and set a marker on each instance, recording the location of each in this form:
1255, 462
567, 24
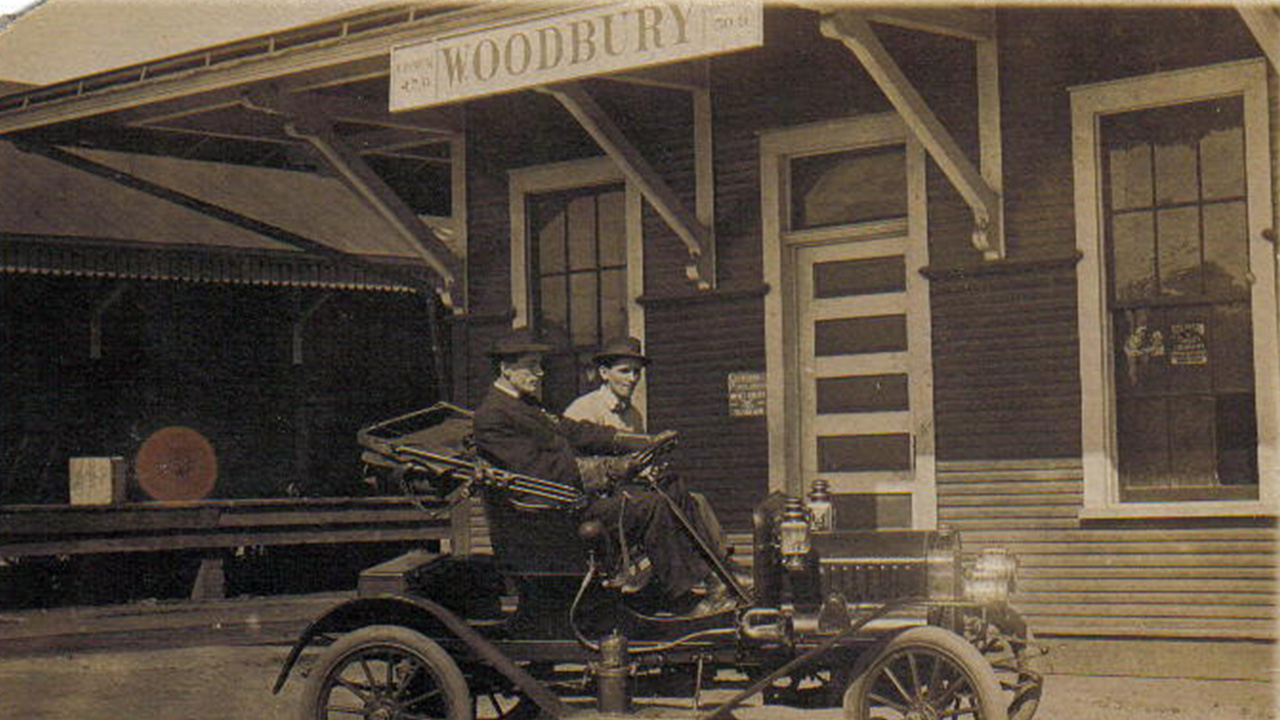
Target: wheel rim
918, 683
383, 682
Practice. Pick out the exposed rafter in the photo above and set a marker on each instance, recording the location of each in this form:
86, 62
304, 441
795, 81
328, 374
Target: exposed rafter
386, 142
393, 139
852, 30
696, 235
679, 76
288, 237
966, 23
223, 134
442, 121
308, 121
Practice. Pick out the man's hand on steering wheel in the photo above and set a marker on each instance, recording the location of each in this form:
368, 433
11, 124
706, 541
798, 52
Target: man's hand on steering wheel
645, 449
644, 461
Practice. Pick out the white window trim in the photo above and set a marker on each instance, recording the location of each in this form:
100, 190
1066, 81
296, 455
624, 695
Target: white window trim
523, 182
782, 394
1098, 436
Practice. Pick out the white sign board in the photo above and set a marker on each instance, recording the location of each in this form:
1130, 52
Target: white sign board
748, 393
573, 44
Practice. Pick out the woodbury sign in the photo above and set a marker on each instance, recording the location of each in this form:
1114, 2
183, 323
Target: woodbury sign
564, 46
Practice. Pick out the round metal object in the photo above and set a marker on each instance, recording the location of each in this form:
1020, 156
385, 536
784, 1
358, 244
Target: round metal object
385, 672
176, 463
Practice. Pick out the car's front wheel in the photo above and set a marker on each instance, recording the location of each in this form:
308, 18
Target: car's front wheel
388, 673
923, 673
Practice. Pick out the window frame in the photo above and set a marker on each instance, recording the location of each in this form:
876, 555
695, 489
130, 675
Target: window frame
571, 175
1097, 372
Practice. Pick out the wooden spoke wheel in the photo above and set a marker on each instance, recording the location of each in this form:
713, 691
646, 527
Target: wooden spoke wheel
385, 672
924, 673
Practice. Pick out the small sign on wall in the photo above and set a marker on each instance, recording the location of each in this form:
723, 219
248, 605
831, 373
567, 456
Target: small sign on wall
747, 393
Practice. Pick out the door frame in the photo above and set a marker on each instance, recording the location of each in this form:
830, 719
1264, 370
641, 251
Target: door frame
781, 341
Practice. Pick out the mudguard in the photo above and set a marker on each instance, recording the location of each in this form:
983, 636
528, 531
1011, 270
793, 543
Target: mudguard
419, 614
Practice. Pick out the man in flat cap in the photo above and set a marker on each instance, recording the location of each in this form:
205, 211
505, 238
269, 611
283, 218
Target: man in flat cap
514, 431
620, 364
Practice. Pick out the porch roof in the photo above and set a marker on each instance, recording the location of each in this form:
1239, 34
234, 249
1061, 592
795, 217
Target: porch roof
203, 107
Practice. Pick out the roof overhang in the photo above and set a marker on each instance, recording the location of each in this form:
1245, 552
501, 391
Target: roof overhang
327, 82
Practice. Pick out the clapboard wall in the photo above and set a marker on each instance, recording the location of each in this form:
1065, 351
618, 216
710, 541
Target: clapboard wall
1170, 578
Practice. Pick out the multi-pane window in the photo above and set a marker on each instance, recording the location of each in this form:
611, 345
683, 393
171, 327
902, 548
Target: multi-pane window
579, 279
1177, 251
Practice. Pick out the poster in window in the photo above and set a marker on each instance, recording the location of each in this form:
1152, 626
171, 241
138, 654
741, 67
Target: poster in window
1188, 346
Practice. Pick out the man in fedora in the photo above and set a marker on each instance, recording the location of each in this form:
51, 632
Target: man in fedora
620, 364
514, 431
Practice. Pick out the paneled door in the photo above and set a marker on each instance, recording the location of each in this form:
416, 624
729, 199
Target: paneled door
854, 367
851, 325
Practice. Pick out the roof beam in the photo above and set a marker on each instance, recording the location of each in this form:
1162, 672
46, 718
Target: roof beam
679, 76
386, 139
309, 122
442, 121
274, 232
696, 235
1264, 23
389, 142
224, 135
966, 23
853, 31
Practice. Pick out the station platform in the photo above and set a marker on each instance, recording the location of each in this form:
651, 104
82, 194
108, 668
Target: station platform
153, 625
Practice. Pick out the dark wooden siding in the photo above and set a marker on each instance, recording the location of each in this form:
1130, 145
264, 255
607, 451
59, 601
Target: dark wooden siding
694, 346
1006, 363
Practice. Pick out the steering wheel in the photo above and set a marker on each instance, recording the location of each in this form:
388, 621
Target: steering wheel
645, 462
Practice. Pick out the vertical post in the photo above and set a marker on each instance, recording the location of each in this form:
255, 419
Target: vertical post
991, 162
704, 169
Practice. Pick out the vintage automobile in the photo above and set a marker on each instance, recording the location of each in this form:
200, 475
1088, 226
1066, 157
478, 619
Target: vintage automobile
554, 622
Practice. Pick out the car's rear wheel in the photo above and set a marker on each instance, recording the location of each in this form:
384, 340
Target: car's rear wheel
923, 673
385, 672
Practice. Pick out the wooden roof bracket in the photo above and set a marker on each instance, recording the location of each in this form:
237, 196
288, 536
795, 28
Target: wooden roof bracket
1264, 22
695, 230
981, 190
306, 121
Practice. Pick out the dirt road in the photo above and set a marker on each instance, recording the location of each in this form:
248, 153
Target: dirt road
233, 683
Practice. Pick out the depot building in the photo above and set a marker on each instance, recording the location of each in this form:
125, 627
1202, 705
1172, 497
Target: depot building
1008, 270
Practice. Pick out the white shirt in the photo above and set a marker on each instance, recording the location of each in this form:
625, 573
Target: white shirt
602, 407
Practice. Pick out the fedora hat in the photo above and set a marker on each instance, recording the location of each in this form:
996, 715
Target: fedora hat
518, 342
621, 347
